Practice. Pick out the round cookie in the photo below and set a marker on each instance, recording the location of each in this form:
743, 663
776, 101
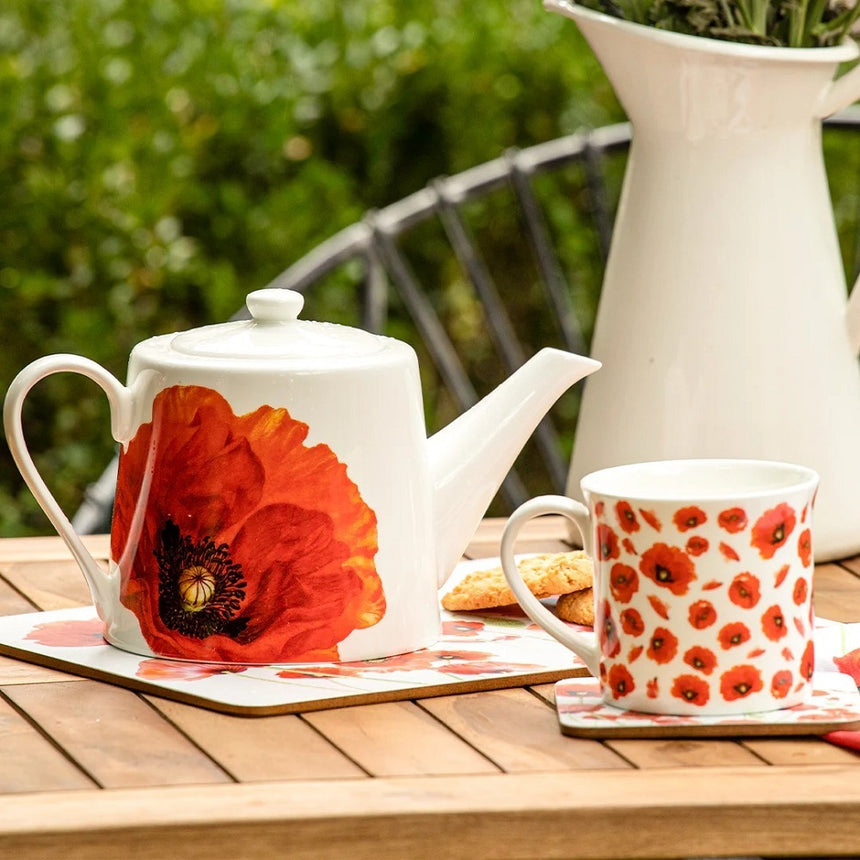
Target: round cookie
545, 575
577, 607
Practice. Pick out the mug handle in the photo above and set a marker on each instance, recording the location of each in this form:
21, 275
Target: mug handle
121, 410
583, 645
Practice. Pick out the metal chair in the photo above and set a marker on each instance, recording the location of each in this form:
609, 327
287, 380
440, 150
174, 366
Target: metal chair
393, 295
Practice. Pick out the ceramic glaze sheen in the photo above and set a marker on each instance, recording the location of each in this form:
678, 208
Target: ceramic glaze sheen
722, 320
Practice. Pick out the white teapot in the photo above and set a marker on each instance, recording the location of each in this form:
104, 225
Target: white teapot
277, 497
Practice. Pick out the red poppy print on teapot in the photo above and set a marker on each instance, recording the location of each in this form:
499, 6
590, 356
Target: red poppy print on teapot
704, 607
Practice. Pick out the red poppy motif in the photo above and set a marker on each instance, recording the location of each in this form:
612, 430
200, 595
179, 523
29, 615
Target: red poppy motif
733, 634
669, 567
781, 574
628, 546
689, 518
772, 529
744, 590
607, 543
626, 517
733, 520
69, 634
620, 681
849, 664
651, 518
623, 582
467, 629
663, 645
652, 688
801, 591
252, 547
739, 682
804, 547
598, 509
702, 614
170, 670
631, 622
691, 689
702, 659
610, 645
712, 585
658, 606
697, 545
635, 653
781, 683
807, 661
728, 552
787, 654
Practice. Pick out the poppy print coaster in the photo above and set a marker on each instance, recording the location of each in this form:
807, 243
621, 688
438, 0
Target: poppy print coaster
834, 705
492, 650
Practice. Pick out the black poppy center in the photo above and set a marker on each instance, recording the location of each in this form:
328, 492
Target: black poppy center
690, 694
200, 587
778, 533
743, 688
663, 574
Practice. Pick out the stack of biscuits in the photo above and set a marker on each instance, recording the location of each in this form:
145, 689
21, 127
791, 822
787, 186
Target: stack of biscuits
568, 576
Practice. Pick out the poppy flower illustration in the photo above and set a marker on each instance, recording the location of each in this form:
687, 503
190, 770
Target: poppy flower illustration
729, 552
804, 547
780, 684
598, 509
744, 590
702, 614
628, 546
172, 670
712, 585
668, 566
69, 634
849, 664
607, 543
781, 574
692, 689
733, 634
663, 645
658, 606
623, 582
739, 682
807, 661
247, 546
801, 591
635, 653
651, 518
772, 529
697, 545
689, 518
733, 520
626, 517
631, 622
610, 645
620, 681
700, 658
468, 629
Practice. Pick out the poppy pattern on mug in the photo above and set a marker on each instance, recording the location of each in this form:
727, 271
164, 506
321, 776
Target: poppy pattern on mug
707, 603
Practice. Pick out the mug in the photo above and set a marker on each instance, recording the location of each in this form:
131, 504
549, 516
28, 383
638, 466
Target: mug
702, 584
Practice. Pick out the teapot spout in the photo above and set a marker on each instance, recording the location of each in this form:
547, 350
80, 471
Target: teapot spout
471, 456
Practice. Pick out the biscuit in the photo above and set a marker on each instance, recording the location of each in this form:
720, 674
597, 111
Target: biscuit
545, 575
577, 607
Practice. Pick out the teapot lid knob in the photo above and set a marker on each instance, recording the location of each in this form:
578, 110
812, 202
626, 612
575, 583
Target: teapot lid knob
274, 305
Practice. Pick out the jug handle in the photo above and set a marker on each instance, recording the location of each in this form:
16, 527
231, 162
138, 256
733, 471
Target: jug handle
121, 411
842, 92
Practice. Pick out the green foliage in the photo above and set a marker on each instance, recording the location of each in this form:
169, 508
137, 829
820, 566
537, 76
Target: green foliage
784, 23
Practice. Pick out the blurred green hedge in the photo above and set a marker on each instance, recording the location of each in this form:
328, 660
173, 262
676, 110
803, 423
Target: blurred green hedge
159, 160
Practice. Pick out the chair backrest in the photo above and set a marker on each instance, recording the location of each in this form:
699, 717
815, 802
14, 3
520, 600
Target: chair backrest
557, 200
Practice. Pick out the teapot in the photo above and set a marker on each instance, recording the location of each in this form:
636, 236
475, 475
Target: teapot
277, 497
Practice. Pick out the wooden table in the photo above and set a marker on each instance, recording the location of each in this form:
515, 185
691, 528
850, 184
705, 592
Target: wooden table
89, 769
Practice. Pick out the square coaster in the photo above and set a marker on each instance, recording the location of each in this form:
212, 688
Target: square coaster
834, 705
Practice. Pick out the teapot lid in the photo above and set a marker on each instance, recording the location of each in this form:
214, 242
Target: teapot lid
274, 332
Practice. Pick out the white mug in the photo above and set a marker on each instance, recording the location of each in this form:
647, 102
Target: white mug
702, 584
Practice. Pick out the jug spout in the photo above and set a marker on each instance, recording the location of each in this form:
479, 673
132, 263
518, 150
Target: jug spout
471, 456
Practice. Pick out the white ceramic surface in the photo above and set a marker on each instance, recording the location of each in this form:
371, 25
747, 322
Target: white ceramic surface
722, 322
278, 499
702, 584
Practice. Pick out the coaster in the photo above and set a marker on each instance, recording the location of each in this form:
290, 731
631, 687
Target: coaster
834, 705
478, 651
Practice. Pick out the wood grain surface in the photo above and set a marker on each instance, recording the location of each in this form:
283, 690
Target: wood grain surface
476, 774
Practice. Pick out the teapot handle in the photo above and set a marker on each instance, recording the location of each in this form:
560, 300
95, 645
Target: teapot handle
842, 92
120, 399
